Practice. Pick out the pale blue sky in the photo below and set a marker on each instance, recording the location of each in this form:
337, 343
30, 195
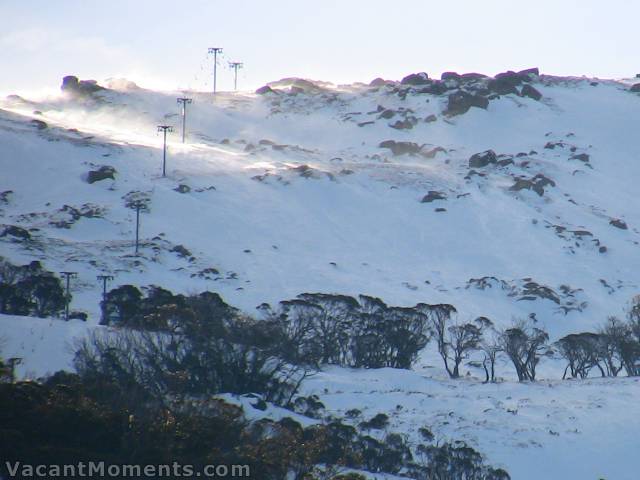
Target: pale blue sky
161, 43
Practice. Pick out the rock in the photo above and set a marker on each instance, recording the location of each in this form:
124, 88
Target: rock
616, 222
401, 148
583, 157
387, 114
532, 290
4, 196
530, 71
104, 172
553, 145
531, 92
511, 77
182, 188
431, 118
17, 232
264, 90
433, 195
77, 315
182, 251
435, 88
450, 76
483, 159
39, 124
635, 88
71, 84
432, 153
473, 76
536, 184
502, 86
406, 124
602, 249
460, 102
416, 79
378, 82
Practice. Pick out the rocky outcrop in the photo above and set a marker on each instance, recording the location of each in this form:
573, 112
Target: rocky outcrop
265, 90
16, 232
401, 148
537, 184
432, 196
71, 84
483, 159
531, 92
415, 79
616, 222
461, 101
103, 173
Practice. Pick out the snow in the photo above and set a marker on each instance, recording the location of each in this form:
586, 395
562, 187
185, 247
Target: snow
272, 233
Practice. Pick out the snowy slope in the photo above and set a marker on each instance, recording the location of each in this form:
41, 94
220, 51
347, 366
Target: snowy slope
291, 193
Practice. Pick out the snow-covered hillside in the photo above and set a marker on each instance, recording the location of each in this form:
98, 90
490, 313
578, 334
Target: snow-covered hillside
312, 187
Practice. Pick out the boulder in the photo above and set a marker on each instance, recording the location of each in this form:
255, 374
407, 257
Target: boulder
502, 86
182, 251
616, 222
416, 79
432, 153
182, 188
635, 88
17, 232
460, 102
583, 157
530, 72
401, 148
473, 76
432, 196
39, 124
529, 91
435, 88
553, 145
72, 85
450, 76
483, 159
387, 114
104, 172
536, 184
264, 90
407, 124
378, 82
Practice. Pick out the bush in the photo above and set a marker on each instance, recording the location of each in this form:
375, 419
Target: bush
337, 329
30, 290
525, 345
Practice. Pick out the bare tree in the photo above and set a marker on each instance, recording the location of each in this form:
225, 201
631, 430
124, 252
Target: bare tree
490, 347
462, 339
525, 344
583, 351
622, 348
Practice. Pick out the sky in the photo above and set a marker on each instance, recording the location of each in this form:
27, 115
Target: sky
162, 44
